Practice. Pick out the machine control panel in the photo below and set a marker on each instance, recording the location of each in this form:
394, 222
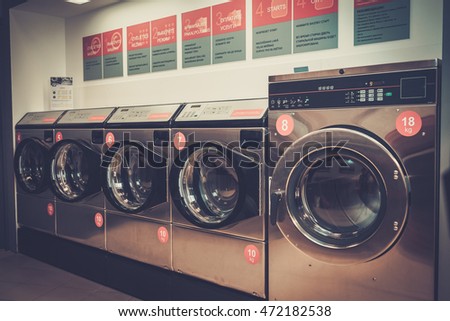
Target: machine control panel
223, 111
40, 118
143, 114
396, 88
86, 116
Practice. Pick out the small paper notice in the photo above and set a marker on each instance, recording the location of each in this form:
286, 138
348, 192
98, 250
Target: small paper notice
61, 93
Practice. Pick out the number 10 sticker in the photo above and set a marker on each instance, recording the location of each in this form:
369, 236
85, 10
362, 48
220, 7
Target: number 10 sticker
408, 123
285, 125
251, 253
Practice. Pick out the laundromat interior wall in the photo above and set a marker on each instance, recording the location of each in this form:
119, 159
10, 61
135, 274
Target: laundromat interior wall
44, 46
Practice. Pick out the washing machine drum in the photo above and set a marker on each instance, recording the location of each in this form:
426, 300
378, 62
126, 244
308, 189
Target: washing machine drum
75, 170
135, 178
31, 165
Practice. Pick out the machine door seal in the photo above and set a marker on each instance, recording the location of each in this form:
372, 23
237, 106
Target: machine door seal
213, 186
75, 170
31, 165
340, 195
135, 177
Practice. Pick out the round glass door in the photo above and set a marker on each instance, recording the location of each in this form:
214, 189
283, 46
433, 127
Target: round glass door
131, 181
210, 187
31, 166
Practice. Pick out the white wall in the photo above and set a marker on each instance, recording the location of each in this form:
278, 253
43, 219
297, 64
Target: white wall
38, 52
38, 48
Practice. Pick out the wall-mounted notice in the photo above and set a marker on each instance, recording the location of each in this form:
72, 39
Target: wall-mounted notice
381, 20
61, 93
138, 45
228, 20
113, 53
272, 24
315, 25
164, 44
92, 57
196, 26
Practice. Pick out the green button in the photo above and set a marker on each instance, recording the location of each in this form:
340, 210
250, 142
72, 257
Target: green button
389, 94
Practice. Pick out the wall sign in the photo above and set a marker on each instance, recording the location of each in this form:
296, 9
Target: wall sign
61, 93
381, 20
315, 25
138, 45
164, 44
92, 57
229, 27
272, 27
113, 53
196, 26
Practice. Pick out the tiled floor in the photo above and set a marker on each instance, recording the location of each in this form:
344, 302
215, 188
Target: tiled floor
25, 279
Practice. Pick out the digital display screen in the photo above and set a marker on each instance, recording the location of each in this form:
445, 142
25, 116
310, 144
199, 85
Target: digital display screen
415, 87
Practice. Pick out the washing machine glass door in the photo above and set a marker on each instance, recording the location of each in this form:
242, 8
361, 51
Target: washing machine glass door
75, 170
210, 187
31, 160
346, 195
135, 179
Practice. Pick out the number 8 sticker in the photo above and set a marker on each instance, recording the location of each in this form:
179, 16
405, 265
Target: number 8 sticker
285, 125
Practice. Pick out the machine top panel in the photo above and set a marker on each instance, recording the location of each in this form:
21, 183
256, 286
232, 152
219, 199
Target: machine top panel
86, 116
224, 111
40, 118
143, 114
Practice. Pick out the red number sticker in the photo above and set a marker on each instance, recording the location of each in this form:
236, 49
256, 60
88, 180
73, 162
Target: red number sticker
285, 125
409, 123
163, 235
110, 139
50, 209
18, 137
251, 253
58, 136
98, 220
179, 141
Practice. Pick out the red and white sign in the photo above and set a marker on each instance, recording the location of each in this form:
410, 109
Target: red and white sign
112, 42
110, 139
50, 209
196, 24
179, 141
164, 31
285, 125
138, 36
408, 123
252, 254
267, 12
365, 3
163, 235
18, 137
58, 136
98, 220
228, 17
92, 46
307, 8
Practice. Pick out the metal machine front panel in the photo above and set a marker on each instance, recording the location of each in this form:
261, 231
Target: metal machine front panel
143, 114
36, 212
85, 116
227, 261
41, 118
139, 239
81, 223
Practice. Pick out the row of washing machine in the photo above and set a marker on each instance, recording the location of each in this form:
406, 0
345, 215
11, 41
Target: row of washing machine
330, 194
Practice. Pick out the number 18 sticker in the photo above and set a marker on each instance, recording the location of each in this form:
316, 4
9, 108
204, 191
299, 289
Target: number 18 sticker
408, 123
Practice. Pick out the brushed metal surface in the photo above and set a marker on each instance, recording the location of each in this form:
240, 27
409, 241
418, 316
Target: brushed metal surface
219, 259
32, 213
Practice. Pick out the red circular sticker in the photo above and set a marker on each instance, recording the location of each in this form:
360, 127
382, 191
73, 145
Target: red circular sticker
179, 141
110, 139
163, 235
285, 125
98, 219
50, 209
18, 137
251, 253
58, 136
408, 123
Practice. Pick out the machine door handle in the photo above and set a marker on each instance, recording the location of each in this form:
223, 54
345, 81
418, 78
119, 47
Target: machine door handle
275, 199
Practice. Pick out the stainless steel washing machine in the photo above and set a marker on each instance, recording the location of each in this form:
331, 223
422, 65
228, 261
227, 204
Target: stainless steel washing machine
35, 201
136, 189
217, 184
76, 175
353, 212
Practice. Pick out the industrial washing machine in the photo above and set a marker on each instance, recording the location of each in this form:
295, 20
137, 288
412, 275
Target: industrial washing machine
217, 183
76, 175
136, 189
35, 201
353, 212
